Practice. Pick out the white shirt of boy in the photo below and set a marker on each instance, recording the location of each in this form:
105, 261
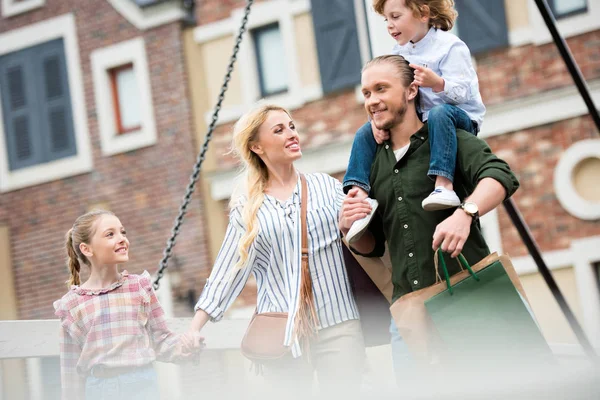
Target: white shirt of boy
449, 57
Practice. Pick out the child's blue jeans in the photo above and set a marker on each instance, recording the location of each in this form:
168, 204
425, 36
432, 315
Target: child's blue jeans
443, 120
139, 384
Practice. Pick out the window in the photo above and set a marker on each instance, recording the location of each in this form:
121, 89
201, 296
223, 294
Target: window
565, 8
36, 105
271, 60
125, 95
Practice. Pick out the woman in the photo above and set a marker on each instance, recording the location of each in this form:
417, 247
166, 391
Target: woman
263, 238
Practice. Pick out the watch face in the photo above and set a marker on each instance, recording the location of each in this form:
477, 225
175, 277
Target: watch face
471, 208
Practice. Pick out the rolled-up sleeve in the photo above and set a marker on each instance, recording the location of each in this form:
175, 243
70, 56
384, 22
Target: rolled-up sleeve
458, 73
222, 288
476, 161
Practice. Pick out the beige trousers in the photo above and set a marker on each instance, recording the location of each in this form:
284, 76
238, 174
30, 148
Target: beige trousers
337, 356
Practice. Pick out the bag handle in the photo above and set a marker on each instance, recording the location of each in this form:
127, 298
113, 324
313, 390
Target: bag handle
438, 259
306, 318
303, 204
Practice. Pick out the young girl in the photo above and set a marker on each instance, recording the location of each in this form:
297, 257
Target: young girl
449, 94
112, 326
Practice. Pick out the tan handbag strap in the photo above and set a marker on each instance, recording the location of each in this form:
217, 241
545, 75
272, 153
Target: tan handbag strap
303, 204
306, 318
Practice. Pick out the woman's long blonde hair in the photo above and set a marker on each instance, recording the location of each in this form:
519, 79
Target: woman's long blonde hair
254, 172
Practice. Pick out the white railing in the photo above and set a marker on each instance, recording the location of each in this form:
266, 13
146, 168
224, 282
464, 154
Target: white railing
39, 338
35, 339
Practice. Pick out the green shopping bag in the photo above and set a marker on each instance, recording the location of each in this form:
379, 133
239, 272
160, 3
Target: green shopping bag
483, 317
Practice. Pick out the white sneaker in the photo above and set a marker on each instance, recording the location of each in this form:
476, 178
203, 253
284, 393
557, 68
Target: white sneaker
359, 227
440, 199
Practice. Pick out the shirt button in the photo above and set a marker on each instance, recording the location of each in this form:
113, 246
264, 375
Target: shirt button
405, 226
387, 146
396, 171
399, 198
410, 254
415, 282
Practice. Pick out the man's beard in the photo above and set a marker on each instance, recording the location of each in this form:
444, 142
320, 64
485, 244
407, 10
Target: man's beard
399, 116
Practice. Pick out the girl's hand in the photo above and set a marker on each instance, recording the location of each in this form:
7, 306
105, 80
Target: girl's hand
380, 135
425, 77
192, 341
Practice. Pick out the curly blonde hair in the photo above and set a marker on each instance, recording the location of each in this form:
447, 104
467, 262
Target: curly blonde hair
442, 14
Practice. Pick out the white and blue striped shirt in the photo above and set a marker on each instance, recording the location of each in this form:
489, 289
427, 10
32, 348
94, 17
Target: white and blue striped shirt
275, 259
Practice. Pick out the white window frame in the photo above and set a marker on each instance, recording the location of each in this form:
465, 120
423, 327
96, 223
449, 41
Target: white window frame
572, 25
10, 7
264, 13
163, 13
28, 36
103, 60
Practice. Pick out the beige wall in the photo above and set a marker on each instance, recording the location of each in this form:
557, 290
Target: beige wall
8, 298
307, 52
553, 323
215, 55
13, 371
204, 80
586, 176
517, 14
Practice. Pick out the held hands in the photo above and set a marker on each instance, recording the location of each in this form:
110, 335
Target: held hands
452, 233
192, 344
425, 77
380, 135
354, 207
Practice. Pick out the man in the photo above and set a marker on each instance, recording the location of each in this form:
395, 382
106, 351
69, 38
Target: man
399, 182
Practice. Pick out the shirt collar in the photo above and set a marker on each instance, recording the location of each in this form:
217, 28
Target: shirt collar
416, 139
420, 44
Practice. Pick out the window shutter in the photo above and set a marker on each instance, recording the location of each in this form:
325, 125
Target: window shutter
18, 108
482, 24
55, 101
337, 43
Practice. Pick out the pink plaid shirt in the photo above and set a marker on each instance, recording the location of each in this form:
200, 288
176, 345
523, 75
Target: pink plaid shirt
119, 326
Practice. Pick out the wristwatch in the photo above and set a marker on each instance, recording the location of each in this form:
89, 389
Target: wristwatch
470, 209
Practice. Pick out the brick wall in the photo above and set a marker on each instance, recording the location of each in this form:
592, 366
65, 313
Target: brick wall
208, 11
522, 71
143, 187
533, 155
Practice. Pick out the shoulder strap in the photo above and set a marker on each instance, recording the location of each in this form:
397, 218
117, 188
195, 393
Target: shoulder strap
303, 205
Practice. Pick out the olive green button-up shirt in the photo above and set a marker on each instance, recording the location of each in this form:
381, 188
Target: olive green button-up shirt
401, 186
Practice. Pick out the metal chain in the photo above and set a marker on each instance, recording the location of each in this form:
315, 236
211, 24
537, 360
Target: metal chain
194, 177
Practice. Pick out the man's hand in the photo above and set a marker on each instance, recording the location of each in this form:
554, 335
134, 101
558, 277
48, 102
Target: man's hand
380, 135
452, 233
354, 207
425, 77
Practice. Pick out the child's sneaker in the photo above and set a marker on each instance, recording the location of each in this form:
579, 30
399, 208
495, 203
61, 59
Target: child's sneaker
440, 199
359, 227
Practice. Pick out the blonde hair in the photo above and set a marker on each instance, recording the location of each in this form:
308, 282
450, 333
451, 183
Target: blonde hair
406, 72
442, 14
81, 232
255, 172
